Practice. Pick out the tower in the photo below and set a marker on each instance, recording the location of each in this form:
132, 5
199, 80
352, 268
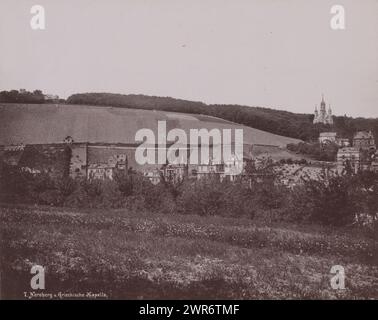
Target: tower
322, 116
322, 106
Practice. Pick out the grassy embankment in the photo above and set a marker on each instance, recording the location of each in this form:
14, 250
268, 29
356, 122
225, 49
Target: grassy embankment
145, 255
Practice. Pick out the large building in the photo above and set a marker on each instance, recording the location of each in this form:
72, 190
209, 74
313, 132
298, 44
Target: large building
228, 170
374, 162
96, 161
331, 137
323, 116
349, 157
364, 140
106, 168
210, 169
327, 137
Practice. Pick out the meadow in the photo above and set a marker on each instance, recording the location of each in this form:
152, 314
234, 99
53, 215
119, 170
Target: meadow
141, 254
22, 123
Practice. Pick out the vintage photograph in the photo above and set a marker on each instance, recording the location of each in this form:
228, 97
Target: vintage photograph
188, 150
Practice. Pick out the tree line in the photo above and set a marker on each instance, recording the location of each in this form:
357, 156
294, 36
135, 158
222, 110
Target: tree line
280, 122
24, 96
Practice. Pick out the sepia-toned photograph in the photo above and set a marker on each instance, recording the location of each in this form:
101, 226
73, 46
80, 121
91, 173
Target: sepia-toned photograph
188, 150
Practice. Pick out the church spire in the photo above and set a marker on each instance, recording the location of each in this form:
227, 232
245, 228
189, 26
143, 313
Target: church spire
322, 105
323, 115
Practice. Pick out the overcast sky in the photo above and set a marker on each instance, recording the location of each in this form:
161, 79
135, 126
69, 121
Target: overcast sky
272, 53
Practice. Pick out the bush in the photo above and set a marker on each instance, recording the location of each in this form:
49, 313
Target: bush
317, 151
333, 200
212, 197
336, 200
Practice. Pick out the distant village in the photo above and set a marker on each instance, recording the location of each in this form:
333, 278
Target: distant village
102, 161
358, 154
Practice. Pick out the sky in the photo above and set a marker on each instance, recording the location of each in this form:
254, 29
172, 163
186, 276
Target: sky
280, 54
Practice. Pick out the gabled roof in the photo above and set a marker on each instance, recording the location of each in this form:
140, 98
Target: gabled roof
348, 150
363, 135
328, 134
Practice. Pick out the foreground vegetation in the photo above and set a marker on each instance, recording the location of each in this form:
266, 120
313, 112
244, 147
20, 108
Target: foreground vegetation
317, 151
142, 254
332, 199
253, 238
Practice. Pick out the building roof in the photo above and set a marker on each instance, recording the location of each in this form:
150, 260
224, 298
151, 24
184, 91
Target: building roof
327, 134
101, 166
348, 150
363, 135
106, 155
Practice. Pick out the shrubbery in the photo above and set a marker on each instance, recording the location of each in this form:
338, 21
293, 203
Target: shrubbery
317, 151
330, 200
337, 199
126, 190
211, 197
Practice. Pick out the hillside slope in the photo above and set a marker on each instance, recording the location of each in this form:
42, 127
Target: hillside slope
280, 122
44, 123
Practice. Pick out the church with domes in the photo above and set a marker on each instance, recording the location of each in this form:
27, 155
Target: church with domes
323, 116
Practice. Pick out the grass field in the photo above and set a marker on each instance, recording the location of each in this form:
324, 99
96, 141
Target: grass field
141, 255
48, 123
